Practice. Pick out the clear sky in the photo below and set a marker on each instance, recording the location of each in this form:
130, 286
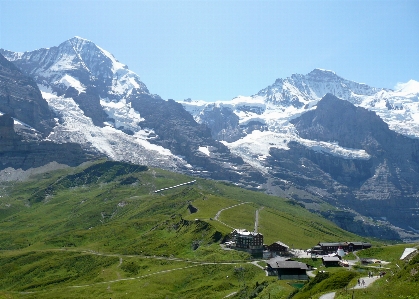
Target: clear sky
217, 50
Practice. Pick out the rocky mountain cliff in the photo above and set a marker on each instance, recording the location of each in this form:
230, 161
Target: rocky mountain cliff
382, 186
103, 106
25, 121
359, 154
21, 98
354, 149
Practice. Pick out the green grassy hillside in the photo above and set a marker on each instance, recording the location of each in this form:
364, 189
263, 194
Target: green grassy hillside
101, 231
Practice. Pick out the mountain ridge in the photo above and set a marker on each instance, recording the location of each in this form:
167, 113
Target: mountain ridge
259, 142
90, 90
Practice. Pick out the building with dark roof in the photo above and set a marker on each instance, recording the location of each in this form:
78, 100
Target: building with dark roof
278, 247
286, 269
327, 248
331, 261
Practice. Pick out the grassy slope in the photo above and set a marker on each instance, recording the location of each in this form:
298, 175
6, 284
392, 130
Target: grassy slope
400, 281
111, 208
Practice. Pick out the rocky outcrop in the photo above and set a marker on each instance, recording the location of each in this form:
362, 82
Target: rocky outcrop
347, 220
19, 154
223, 123
89, 102
352, 127
21, 98
26, 155
8, 137
108, 93
383, 186
176, 130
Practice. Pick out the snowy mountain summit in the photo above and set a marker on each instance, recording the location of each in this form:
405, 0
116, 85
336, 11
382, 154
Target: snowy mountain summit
90, 92
105, 107
263, 120
78, 63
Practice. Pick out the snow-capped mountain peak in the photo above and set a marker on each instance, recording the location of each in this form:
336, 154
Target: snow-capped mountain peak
81, 61
88, 88
298, 90
410, 87
263, 120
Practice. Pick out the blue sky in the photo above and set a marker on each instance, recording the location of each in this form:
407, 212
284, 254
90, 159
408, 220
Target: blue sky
217, 50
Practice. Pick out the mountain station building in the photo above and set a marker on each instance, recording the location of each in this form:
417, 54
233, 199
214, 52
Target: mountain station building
251, 242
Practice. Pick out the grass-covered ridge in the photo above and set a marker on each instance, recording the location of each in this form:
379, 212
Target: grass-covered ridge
102, 227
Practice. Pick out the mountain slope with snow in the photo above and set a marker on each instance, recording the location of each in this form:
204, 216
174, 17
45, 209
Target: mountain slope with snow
78, 63
105, 107
286, 139
311, 163
264, 118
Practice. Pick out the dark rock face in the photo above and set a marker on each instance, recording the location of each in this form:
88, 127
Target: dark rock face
382, 187
85, 63
346, 221
80, 70
7, 132
21, 98
25, 155
350, 126
16, 153
223, 123
177, 130
89, 102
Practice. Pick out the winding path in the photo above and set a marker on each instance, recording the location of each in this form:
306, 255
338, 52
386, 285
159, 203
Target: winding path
223, 209
328, 296
257, 220
194, 264
367, 282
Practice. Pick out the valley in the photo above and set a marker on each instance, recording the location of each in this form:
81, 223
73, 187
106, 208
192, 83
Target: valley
101, 230
108, 190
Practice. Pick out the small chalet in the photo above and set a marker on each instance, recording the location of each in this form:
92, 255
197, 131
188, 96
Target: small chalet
287, 270
278, 248
331, 261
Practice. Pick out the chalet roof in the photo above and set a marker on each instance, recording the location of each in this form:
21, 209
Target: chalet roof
361, 243
331, 259
288, 265
241, 231
280, 243
344, 244
278, 264
278, 259
332, 244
